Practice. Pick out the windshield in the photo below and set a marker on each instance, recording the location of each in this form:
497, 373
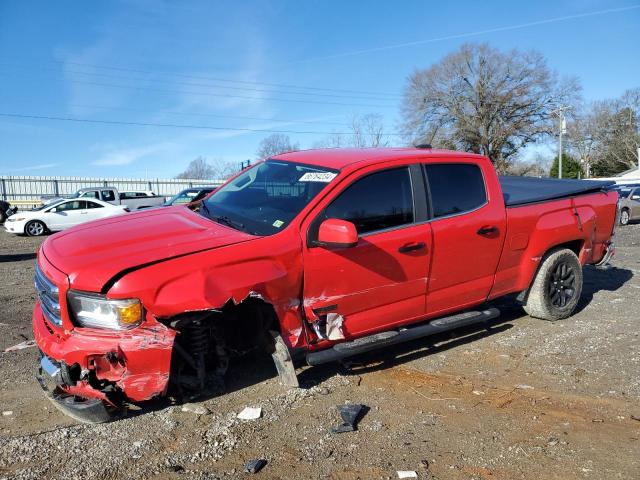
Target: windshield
264, 199
184, 196
48, 205
624, 192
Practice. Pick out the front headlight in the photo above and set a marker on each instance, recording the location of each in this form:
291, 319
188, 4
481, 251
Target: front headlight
96, 311
15, 219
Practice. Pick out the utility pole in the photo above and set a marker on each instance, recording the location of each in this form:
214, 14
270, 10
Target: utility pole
563, 129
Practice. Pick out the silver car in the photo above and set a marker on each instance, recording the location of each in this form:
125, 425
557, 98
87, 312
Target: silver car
629, 203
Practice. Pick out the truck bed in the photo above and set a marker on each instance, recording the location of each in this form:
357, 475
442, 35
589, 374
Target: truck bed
525, 190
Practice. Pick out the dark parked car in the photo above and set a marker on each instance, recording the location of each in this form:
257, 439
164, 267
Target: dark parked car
191, 197
6, 210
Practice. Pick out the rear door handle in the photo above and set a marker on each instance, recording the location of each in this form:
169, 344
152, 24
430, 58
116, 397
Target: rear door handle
410, 247
487, 230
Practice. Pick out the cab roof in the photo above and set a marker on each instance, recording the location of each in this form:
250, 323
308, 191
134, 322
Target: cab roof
339, 158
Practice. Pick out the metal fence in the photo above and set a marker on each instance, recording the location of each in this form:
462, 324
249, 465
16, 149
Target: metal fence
32, 189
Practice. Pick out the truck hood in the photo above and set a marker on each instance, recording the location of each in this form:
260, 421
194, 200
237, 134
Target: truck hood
91, 254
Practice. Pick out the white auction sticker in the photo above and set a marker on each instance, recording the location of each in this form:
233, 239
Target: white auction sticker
325, 177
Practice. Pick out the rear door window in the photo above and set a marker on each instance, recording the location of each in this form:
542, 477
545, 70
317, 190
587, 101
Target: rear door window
75, 205
455, 188
376, 202
108, 195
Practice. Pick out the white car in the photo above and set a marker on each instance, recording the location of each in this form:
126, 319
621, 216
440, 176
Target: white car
60, 215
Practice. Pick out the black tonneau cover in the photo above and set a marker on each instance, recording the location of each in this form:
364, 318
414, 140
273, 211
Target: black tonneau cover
524, 190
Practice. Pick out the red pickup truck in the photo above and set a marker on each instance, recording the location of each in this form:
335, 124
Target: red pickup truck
317, 254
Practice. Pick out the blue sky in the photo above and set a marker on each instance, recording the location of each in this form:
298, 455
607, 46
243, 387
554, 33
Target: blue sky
239, 65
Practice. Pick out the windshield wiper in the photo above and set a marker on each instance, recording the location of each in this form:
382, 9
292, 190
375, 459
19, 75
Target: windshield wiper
223, 219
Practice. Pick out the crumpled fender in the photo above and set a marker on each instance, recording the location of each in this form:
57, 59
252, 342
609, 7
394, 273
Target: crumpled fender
269, 268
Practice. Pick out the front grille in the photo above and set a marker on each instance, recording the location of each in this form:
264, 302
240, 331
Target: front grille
49, 297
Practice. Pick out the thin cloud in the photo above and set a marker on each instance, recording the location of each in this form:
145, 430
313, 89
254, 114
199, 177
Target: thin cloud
130, 155
470, 34
41, 166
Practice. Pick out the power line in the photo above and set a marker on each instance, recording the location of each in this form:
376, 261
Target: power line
214, 115
209, 85
173, 125
224, 95
228, 80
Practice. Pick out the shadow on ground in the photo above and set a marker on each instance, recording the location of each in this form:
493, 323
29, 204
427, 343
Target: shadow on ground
18, 257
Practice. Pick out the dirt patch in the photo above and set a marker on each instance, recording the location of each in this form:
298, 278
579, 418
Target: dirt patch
527, 399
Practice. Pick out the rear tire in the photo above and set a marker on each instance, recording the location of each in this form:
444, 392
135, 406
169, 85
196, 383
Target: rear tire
624, 217
35, 228
556, 289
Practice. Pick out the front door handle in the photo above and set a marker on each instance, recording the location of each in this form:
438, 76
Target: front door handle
487, 230
410, 247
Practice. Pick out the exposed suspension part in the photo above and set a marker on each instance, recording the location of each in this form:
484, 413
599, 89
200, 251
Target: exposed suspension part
201, 359
206, 340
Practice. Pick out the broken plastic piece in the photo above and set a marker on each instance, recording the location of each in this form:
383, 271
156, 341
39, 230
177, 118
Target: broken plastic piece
350, 414
407, 474
334, 326
284, 363
254, 466
250, 413
20, 346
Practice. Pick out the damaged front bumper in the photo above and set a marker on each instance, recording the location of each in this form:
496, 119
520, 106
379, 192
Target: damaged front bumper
85, 368
86, 410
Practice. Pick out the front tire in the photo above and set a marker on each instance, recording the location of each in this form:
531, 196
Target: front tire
35, 228
556, 289
624, 217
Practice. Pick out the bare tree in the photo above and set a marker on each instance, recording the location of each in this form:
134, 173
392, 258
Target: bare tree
275, 144
605, 135
367, 131
482, 100
201, 169
538, 166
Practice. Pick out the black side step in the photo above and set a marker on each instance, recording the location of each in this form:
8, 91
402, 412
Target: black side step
392, 337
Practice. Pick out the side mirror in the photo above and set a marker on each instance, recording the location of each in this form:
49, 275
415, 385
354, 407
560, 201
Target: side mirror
337, 233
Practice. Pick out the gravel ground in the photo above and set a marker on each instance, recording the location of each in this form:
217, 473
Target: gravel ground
527, 399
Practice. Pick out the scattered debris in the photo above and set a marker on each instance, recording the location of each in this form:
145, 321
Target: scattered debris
425, 464
195, 408
21, 345
597, 420
553, 441
523, 386
250, 413
407, 474
477, 392
350, 414
6, 413
635, 417
254, 466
